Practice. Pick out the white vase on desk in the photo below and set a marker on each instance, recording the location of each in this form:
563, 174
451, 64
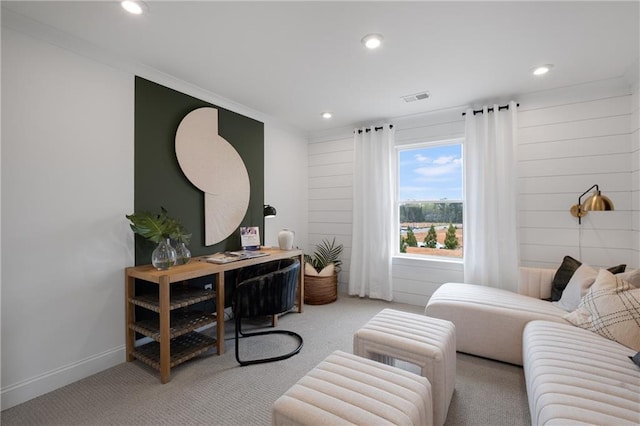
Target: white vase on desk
285, 239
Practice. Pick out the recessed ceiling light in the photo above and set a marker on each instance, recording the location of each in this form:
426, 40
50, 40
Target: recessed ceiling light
132, 7
327, 115
542, 69
372, 41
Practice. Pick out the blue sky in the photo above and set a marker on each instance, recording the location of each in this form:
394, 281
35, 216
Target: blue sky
431, 173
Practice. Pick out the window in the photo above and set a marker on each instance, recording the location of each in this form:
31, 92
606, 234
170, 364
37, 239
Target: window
429, 199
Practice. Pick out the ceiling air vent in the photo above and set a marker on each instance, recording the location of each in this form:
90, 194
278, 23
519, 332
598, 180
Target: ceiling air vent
416, 97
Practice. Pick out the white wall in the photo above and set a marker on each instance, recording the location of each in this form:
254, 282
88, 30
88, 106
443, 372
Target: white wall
67, 182
285, 184
569, 139
635, 165
331, 196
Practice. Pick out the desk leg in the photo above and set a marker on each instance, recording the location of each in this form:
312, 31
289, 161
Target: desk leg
165, 335
301, 285
129, 292
220, 312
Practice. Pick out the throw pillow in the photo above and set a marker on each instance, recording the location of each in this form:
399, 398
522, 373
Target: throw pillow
632, 277
562, 276
310, 270
610, 308
327, 271
565, 272
577, 287
636, 359
618, 269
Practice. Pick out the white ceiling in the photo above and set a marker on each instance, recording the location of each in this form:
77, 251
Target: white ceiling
294, 60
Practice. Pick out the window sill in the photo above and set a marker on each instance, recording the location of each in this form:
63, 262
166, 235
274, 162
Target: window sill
408, 258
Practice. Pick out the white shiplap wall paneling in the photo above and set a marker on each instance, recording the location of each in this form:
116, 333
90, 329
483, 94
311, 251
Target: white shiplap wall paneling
340, 169
612, 220
562, 202
331, 193
601, 89
331, 181
331, 197
635, 167
585, 110
606, 126
575, 185
551, 256
583, 147
578, 165
590, 237
442, 131
331, 205
427, 273
574, 138
340, 217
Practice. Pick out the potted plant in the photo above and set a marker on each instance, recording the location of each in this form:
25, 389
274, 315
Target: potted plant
160, 229
321, 273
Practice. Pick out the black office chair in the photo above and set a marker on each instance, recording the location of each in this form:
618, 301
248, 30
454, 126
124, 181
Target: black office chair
269, 293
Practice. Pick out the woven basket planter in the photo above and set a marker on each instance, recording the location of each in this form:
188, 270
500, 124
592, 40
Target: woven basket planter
320, 290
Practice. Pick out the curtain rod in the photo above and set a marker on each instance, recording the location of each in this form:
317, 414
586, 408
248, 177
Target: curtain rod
368, 129
479, 111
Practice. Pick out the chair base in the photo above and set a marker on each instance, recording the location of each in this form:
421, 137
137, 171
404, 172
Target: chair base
240, 334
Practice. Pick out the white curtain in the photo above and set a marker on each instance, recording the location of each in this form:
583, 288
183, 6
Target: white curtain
491, 251
370, 269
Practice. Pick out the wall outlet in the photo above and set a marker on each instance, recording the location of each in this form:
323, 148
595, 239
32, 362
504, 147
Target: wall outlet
208, 286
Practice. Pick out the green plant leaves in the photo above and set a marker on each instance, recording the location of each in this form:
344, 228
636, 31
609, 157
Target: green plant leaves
158, 227
326, 253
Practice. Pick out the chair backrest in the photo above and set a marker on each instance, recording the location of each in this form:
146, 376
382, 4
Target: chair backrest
268, 294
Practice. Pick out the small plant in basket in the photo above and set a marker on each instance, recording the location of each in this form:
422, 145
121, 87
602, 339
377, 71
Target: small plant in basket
321, 273
326, 254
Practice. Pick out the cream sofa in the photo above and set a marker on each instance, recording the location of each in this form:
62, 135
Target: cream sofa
573, 376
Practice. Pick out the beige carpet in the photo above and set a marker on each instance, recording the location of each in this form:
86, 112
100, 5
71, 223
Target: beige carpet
214, 390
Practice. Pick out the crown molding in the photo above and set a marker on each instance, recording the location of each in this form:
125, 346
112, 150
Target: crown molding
48, 34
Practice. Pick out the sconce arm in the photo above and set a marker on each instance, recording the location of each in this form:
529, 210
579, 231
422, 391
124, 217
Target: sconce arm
586, 192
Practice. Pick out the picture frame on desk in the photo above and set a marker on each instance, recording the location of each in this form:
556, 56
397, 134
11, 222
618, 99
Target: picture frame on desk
250, 237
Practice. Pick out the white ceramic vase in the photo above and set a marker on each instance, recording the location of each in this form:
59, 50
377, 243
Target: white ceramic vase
285, 239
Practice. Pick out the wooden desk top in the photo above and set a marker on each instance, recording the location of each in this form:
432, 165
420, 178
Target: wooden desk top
198, 266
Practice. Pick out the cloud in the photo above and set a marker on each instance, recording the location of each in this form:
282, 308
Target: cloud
450, 159
422, 159
444, 169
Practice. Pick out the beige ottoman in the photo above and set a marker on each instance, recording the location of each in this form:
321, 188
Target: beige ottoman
429, 343
347, 389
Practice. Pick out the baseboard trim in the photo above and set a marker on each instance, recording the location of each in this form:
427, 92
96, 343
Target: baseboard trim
33, 387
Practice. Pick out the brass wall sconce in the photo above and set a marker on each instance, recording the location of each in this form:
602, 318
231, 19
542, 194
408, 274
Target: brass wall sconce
269, 211
595, 202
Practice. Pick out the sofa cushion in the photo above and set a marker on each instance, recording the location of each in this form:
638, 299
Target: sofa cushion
562, 276
632, 277
489, 321
566, 270
575, 377
636, 359
577, 287
610, 308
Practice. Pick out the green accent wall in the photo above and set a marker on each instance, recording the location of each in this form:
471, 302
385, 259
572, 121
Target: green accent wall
159, 181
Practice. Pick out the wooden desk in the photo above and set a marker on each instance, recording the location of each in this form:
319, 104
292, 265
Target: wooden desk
186, 343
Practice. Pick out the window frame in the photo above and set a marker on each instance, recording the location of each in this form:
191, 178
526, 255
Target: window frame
396, 201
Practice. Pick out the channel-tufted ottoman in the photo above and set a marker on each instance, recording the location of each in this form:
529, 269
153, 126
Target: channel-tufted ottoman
429, 343
347, 389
